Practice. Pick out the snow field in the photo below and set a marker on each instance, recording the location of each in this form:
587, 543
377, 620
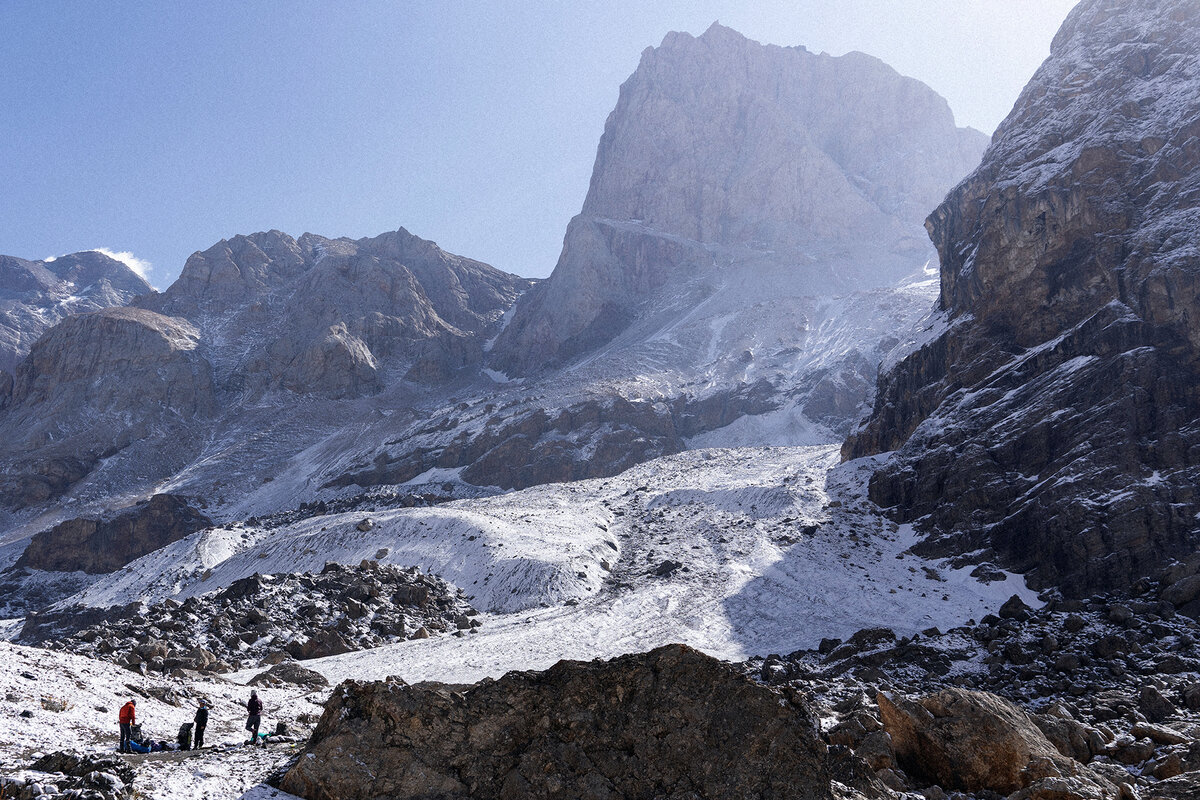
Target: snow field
771, 558
91, 693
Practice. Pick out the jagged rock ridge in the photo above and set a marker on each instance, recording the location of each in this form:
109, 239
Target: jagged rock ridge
317, 315
724, 154
34, 295
1056, 421
249, 318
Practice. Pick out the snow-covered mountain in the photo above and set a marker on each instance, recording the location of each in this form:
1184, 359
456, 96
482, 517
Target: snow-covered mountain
1054, 423
728, 162
124, 399
277, 371
667, 409
34, 295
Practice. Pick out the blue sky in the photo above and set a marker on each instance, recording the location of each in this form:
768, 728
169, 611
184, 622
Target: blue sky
159, 128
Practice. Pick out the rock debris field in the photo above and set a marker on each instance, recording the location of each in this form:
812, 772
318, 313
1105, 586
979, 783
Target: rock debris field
264, 619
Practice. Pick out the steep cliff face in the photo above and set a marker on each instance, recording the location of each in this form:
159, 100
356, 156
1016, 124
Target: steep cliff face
1055, 423
92, 385
726, 155
34, 295
329, 316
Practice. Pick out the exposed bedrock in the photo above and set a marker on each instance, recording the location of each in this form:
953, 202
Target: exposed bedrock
1055, 423
672, 723
91, 386
100, 546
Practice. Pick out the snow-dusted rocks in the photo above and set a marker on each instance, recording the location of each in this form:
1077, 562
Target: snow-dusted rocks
1055, 422
34, 295
92, 385
327, 316
725, 157
262, 618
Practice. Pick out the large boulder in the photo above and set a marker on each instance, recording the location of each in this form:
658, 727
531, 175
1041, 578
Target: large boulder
969, 740
1180, 787
672, 723
287, 672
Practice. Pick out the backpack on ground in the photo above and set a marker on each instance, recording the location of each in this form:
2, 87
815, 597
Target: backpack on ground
185, 736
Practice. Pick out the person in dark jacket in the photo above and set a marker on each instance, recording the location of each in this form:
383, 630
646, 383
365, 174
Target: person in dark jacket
201, 720
127, 716
254, 709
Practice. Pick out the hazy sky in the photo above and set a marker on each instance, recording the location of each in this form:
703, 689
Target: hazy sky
159, 128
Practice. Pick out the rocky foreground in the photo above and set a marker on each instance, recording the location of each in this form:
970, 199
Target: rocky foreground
1093, 699
1111, 683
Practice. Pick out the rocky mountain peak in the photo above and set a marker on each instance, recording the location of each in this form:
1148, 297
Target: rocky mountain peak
327, 315
725, 156
232, 273
1051, 424
34, 295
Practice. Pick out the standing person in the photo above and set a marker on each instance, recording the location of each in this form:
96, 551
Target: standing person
127, 716
254, 709
201, 720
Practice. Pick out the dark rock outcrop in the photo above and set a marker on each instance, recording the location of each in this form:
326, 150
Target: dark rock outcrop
672, 723
724, 154
34, 295
101, 546
1055, 424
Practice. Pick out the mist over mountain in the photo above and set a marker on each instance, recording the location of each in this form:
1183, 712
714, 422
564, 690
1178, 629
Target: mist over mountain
726, 159
939, 524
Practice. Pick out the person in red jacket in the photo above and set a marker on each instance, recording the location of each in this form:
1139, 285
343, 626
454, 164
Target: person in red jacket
127, 717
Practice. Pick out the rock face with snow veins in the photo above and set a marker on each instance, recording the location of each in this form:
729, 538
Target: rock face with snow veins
1055, 425
327, 316
91, 385
725, 153
672, 723
96, 546
314, 318
34, 295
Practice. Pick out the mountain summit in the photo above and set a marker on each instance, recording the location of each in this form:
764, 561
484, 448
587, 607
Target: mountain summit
724, 154
34, 295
